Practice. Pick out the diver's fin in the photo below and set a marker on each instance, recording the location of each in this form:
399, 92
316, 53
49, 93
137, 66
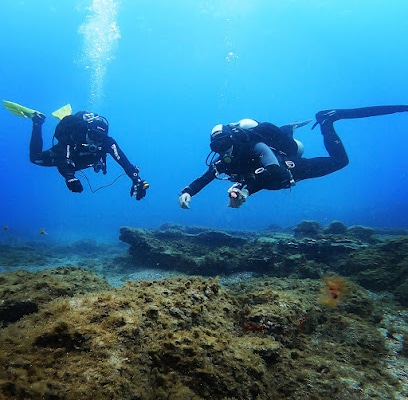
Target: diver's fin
63, 111
334, 115
20, 110
290, 128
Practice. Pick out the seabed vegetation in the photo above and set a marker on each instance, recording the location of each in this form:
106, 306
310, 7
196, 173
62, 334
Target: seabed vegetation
305, 313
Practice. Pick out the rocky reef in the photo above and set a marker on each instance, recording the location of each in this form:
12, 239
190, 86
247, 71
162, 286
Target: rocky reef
212, 253
322, 317
23, 293
377, 260
191, 338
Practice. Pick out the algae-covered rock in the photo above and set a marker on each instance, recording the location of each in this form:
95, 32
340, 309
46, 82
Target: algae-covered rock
335, 228
23, 292
211, 253
191, 338
401, 290
381, 267
154, 340
309, 229
355, 252
205, 252
363, 233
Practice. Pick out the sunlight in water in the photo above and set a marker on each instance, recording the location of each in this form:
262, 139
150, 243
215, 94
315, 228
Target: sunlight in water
100, 37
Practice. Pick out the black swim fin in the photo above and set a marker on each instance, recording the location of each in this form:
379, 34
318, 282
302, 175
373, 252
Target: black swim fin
325, 116
291, 127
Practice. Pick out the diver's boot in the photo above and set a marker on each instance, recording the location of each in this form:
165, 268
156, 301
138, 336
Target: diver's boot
38, 118
330, 116
36, 141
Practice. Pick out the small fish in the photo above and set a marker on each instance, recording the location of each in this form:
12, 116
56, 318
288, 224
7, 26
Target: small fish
5, 228
42, 232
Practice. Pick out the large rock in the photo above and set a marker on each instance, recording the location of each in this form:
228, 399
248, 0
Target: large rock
211, 253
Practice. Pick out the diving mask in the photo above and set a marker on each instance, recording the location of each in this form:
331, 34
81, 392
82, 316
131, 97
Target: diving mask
221, 144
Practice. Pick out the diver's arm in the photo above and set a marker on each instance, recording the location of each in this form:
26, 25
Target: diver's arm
62, 155
139, 186
112, 147
194, 187
271, 175
66, 168
265, 154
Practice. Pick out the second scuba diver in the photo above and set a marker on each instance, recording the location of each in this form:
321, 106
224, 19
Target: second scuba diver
259, 155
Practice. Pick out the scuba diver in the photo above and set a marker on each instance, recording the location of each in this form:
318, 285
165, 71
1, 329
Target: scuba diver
259, 155
83, 142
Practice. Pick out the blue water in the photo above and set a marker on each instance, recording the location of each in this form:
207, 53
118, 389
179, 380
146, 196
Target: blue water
165, 72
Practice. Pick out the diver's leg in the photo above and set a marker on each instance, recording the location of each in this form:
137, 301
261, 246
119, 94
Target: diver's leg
322, 117
306, 168
334, 146
36, 142
37, 156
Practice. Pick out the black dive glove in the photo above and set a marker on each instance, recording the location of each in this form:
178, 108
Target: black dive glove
74, 185
138, 189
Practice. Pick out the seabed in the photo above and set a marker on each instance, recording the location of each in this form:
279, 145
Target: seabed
178, 312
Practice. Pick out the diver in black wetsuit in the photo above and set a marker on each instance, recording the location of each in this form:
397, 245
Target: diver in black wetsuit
262, 156
83, 142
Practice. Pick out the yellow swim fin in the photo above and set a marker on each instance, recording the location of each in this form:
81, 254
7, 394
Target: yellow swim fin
20, 110
63, 111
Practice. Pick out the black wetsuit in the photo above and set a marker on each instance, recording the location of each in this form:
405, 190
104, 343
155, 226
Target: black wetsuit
252, 163
78, 154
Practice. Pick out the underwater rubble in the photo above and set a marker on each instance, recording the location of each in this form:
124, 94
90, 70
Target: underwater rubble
322, 318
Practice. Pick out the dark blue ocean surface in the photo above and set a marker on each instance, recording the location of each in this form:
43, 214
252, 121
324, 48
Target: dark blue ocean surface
165, 72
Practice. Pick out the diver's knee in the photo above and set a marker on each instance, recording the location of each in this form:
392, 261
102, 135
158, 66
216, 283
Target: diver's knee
346, 161
343, 162
35, 160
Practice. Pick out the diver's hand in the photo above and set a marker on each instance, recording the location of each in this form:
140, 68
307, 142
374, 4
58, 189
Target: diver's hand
138, 189
74, 185
184, 201
237, 196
